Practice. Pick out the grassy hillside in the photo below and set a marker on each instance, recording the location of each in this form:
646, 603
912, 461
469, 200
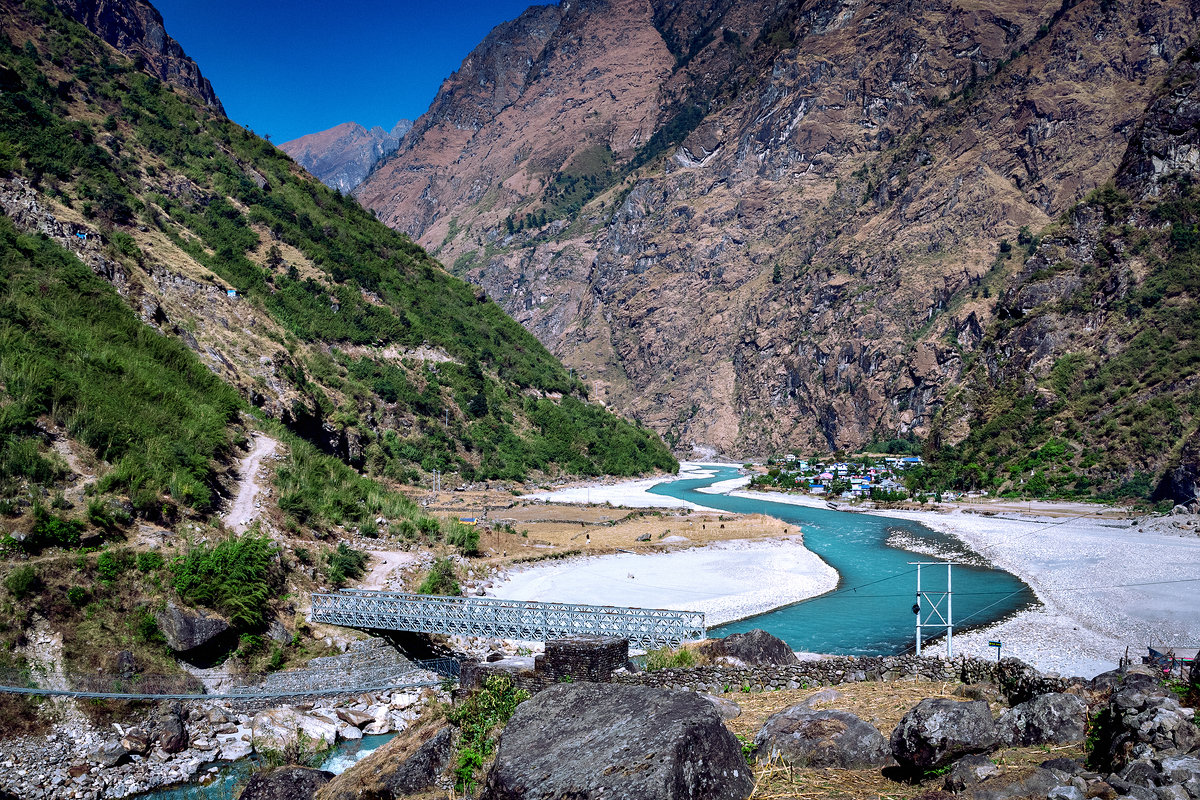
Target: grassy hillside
190, 283
169, 184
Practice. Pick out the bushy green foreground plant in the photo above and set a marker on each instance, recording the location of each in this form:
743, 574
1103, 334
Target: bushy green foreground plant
667, 658
441, 579
346, 563
477, 717
22, 581
237, 576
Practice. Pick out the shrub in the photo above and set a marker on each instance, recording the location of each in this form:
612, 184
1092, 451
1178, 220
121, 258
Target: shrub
22, 582
110, 565
477, 717
149, 561
666, 658
346, 563
441, 579
463, 537
77, 596
145, 628
52, 531
235, 577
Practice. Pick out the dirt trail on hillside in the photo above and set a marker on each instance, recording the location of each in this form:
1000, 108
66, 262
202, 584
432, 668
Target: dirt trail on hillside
386, 562
243, 510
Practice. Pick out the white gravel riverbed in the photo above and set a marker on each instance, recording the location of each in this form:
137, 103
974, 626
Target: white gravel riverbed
726, 580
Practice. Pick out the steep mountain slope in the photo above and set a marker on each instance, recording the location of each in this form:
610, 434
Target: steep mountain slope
326, 320
1089, 377
136, 29
170, 283
344, 155
788, 230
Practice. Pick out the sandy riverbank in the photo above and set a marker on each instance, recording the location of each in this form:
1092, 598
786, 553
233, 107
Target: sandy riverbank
1103, 583
727, 580
632, 494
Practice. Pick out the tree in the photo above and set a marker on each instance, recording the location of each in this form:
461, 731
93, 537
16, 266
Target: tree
776, 275
1037, 485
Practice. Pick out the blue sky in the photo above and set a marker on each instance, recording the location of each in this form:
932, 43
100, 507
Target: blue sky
291, 68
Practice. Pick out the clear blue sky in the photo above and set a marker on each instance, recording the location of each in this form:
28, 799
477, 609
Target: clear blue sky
291, 68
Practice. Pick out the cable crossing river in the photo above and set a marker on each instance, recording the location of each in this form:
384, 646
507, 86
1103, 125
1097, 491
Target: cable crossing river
870, 611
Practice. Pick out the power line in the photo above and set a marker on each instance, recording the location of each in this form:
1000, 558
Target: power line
205, 697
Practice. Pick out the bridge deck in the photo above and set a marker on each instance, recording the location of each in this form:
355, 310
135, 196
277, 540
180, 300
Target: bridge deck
505, 619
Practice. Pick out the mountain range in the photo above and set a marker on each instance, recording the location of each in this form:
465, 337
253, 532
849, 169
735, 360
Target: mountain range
799, 225
344, 155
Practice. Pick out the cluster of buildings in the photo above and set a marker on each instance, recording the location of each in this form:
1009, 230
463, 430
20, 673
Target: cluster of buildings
850, 480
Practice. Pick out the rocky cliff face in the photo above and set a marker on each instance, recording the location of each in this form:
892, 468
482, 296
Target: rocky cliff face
136, 28
785, 225
1092, 357
344, 155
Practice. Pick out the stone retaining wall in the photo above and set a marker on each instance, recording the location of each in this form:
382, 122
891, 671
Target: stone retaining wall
366, 663
1016, 679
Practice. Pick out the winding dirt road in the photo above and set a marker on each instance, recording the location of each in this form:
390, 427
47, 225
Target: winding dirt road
243, 511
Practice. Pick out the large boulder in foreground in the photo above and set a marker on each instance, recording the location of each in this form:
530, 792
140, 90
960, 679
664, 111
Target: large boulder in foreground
757, 647
593, 741
805, 738
937, 731
188, 630
1053, 718
276, 728
285, 783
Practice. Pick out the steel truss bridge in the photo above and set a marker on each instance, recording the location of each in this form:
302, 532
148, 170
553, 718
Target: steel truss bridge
645, 628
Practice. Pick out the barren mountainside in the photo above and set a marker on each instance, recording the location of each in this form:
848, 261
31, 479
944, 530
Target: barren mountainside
345, 154
764, 227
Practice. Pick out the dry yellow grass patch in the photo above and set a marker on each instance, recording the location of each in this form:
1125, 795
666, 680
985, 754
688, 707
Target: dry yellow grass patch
574, 531
881, 704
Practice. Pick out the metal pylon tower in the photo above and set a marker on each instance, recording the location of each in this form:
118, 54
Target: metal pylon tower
929, 606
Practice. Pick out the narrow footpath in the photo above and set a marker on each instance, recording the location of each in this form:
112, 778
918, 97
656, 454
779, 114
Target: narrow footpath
244, 511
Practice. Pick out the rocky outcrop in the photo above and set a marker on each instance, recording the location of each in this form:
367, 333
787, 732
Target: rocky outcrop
805, 738
938, 731
757, 647
278, 727
969, 771
344, 155
1048, 719
135, 27
1142, 721
285, 783
190, 631
167, 730
588, 741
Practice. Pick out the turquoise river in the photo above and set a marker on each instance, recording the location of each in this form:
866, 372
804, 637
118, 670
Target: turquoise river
870, 611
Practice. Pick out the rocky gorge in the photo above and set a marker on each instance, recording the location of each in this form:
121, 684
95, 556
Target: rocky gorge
846, 192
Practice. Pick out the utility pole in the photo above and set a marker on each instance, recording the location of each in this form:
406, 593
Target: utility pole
928, 607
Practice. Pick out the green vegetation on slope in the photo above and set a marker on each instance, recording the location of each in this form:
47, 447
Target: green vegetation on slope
71, 351
1116, 406
120, 146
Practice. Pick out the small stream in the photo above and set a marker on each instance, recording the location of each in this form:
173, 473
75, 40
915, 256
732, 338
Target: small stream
231, 776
